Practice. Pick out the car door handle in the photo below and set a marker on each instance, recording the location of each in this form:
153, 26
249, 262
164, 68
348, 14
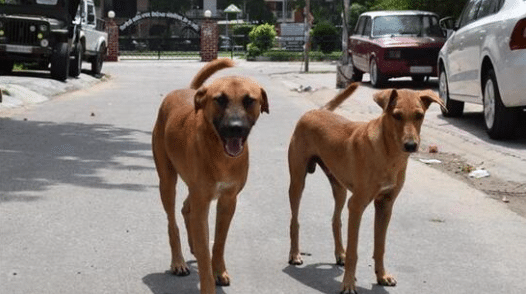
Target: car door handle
482, 34
461, 43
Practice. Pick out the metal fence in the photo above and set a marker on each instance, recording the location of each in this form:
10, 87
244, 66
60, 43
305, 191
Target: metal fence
159, 48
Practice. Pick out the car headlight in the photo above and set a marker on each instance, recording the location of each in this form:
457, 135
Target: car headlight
44, 43
43, 28
393, 54
32, 28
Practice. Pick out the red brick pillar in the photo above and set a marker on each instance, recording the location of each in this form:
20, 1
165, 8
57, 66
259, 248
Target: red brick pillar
113, 40
209, 39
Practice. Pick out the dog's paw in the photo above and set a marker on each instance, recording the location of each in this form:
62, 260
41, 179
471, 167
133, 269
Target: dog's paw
223, 279
386, 280
349, 291
340, 260
180, 270
295, 259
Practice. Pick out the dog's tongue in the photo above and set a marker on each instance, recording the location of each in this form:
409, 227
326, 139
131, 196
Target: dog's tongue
234, 146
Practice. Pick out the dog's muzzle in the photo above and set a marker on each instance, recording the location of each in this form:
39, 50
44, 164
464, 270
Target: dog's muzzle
410, 146
234, 134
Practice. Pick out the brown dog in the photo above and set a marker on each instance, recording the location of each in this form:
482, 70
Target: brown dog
200, 135
368, 158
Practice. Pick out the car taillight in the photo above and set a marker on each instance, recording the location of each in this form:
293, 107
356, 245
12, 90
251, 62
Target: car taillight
518, 36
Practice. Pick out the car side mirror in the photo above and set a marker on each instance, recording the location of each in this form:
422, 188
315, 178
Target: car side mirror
448, 26
91, 18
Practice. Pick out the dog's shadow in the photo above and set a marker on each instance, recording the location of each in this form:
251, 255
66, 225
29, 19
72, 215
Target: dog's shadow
324, 277
168, 283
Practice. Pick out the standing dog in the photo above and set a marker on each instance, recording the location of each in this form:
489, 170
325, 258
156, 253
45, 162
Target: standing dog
200, 135
368, 158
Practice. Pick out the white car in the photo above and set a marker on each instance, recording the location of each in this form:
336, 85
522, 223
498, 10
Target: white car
484, 62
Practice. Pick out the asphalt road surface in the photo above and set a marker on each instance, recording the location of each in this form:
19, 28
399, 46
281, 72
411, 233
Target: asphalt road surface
80, 210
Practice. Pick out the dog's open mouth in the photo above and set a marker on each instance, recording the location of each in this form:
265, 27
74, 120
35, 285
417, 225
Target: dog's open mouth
233, 146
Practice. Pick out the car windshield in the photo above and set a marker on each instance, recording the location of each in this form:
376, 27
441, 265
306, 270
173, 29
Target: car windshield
414, 25
29, 2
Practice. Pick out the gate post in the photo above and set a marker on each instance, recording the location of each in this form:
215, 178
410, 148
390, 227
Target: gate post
209, 38
113, 38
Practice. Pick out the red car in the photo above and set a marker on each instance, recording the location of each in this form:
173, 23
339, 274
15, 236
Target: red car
388, 44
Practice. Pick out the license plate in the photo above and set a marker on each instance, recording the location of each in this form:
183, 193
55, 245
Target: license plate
421, 69
18, 49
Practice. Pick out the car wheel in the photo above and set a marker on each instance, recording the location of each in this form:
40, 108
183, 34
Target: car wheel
500, 120
453, 108
96, 63
76, 65
377, 79
60, 62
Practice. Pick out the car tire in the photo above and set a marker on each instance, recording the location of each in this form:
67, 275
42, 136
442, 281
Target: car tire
96, 63
76, 65
453, 108
60, 62
6, 67
500, 120
377, 78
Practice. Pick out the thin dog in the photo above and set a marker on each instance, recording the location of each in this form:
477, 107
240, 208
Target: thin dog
201, 135
367, 158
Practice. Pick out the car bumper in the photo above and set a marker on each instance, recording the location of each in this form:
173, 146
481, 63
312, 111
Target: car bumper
402, 68
512, 78
24, 50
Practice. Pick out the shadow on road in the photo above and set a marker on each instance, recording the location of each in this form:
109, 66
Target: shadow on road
323, 278
168, 283
473, 122
35, 155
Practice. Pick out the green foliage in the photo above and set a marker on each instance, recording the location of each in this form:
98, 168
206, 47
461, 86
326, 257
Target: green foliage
179, 6
262, 38
283, 55
257, 10
325, 36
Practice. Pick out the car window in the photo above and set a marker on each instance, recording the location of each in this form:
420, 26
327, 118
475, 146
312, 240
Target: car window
359, 26
368, 27
470, 13
397, 25
91, 14
488, 7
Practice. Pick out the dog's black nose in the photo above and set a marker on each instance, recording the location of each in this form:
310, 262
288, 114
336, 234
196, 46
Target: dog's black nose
411, 146
235, 128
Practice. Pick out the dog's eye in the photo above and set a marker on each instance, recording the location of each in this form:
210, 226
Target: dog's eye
248, 101
397, 116
419, 116
222, 101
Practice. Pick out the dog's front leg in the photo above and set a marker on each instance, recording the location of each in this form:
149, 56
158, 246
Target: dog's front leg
226, 206
356, 207
383, 209
200, 205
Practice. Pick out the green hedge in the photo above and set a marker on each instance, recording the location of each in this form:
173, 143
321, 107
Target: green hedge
282, 55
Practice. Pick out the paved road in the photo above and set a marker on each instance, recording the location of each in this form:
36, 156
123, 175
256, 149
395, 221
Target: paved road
80, 211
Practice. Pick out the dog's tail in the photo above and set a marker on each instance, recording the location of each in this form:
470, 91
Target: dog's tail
336, 101
208, 70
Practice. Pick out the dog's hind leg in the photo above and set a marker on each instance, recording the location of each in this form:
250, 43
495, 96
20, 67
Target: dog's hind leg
167, 181
298, 166
340, 194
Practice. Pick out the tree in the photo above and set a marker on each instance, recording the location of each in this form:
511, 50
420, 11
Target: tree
257, 10
179, 6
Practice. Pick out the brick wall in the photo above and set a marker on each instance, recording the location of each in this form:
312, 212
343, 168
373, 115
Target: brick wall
113, 40
209, 39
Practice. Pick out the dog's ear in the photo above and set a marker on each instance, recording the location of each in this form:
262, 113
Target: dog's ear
429, 97
386, 99
264, 102
200, 98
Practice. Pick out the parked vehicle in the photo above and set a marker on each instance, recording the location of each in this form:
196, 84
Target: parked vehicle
484, 62
91, 44
49, 33
389, 44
